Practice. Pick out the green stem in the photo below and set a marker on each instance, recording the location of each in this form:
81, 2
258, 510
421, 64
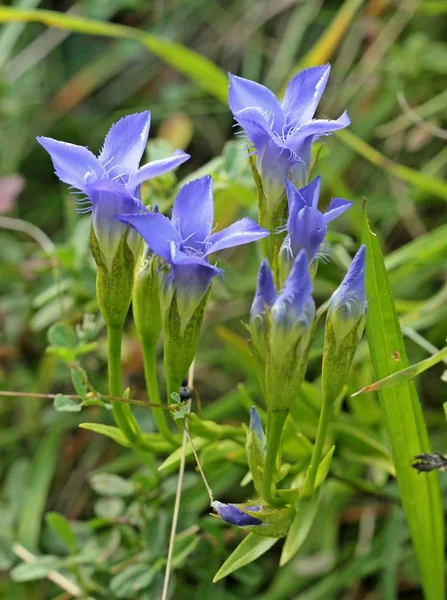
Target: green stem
122, 413
323, 425
275, 425
150, 372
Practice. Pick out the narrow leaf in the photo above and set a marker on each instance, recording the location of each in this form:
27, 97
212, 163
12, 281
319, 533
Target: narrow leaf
306, 511
62, 528
38, 569
41, 474
109, 431
404, 422
406, 374
249, 550
198, 68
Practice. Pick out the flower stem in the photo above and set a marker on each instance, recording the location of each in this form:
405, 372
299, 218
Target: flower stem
150, 372
323, 425
178, 496
122, 413
275, 425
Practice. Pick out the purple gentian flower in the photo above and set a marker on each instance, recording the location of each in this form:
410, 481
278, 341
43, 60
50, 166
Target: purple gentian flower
233, 515
282, 133
186, 240
110, 183
306, 225
348, 302
291, 312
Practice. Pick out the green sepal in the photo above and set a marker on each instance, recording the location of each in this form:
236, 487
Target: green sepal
146, 301
114, 286
276, 521
338, 354
181, 345
285, 373
271, 216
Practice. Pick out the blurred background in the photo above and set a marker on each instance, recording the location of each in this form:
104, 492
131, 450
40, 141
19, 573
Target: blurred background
389, 68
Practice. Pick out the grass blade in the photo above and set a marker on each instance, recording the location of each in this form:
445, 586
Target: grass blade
404, 422
42, 471
424, 183
195, 66
326, 45
406, 374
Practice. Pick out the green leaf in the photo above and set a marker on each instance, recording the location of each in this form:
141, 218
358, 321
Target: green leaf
174, 458
183, 550
249, 550
62, 528
7, 557
131, 580
62, 336
35, 570
109, 431
404, 422
108, 484
41, 474
64, 404
80, 381
324, 467
406, 374
424, 249
205, 73
306, 510
428, 184
109, 508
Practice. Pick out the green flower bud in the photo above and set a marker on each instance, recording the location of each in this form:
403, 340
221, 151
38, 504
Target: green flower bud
146, 299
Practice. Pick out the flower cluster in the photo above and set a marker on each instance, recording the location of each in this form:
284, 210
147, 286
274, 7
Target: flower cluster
174, 273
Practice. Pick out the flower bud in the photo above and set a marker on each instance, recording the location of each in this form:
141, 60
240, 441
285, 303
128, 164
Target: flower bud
146, 299
348, 302
280, 326
344, 327
257, 517
255, 447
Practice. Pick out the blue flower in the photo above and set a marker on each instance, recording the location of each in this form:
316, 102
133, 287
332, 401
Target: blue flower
348, 302
282, 133
266, 294
291, 312
294, 310
185, 241
110, 183
306, 225
232, 514
344, 327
